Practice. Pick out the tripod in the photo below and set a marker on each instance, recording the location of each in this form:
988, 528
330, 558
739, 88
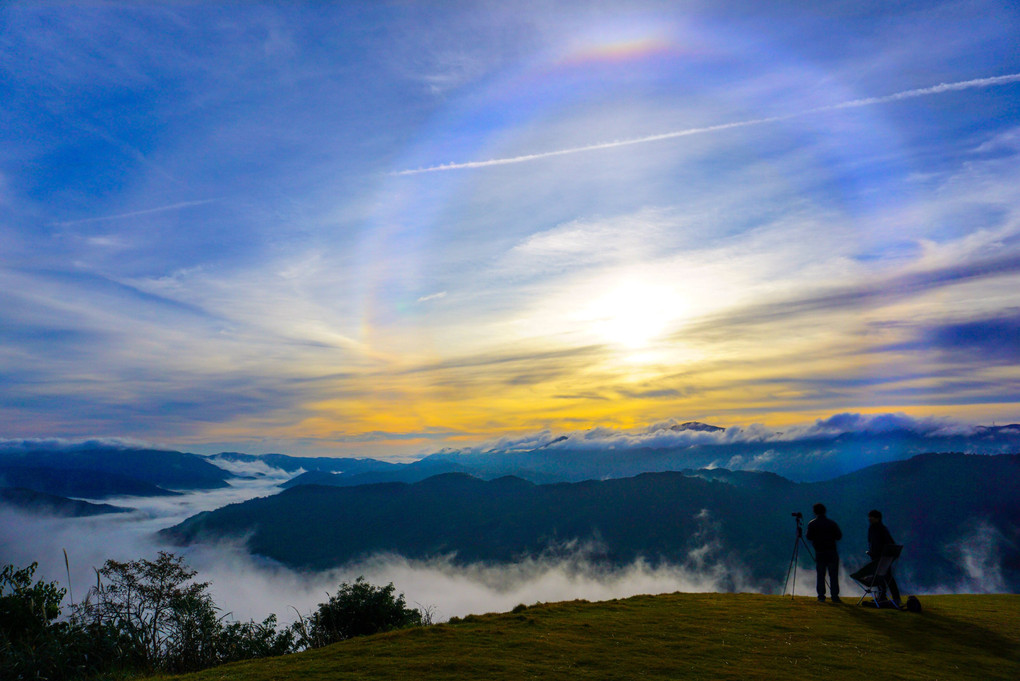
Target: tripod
797, 541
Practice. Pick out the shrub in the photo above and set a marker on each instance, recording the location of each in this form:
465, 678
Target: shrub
357, 609
167, 621
147, 616
35, 645
26, 612
26, 609
246, 640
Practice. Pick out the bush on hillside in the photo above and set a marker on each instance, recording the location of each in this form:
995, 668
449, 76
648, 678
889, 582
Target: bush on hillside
357, 609
141, 616
169, 621
35, 644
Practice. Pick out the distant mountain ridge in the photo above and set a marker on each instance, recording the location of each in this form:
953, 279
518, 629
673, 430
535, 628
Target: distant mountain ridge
938, 505
51, 504
100, 472
78, 482
285, 462
690, 445
832, 447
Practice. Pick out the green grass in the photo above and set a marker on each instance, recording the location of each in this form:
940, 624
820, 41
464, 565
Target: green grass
679, 636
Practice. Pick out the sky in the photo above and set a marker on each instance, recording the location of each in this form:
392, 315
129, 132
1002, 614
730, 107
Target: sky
381, 229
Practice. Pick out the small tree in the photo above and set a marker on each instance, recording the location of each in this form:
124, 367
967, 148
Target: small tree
147, 615
26, 609
195, 630
28, 638
246, 640
35, 643
357, 609
156, 605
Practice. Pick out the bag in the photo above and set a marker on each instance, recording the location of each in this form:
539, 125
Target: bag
913, 605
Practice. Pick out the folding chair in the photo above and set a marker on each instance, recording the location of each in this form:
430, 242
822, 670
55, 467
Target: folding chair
874, 584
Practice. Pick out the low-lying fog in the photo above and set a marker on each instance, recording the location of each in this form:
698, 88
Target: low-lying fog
251, 588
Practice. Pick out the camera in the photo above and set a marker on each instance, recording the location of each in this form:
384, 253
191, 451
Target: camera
797, 514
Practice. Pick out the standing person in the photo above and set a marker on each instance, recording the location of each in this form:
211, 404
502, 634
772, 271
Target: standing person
824, 533
878, 538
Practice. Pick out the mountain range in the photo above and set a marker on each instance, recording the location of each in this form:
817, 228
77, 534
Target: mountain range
807, 457
51, 504
956, 514
837, 446
291, 464
101, 472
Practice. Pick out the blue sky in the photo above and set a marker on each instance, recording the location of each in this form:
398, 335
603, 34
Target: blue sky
229, 225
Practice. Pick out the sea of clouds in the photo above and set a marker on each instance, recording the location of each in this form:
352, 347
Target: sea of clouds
669, 433
250, 587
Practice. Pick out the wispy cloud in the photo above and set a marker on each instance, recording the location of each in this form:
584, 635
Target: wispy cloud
873, 292
851, 104
778, 271
137, 213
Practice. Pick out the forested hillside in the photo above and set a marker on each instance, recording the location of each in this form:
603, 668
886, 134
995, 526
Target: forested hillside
946, 509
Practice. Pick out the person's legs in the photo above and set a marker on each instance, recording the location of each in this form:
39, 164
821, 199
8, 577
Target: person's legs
834, 578
820, 567
827, 564
894, 589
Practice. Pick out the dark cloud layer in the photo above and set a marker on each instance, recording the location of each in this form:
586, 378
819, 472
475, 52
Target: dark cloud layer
993, 340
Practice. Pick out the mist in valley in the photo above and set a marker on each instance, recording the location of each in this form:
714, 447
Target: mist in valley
250, 587
247, 586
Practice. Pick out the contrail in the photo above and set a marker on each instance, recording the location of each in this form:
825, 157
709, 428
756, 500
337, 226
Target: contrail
851, 104
137, 213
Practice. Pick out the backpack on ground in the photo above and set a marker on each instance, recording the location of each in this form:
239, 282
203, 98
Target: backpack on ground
913, 605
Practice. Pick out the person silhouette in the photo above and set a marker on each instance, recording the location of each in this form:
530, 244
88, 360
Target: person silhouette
878, 538
823, 533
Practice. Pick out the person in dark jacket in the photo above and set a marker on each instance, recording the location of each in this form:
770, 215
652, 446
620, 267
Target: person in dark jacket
878, 538
823, 533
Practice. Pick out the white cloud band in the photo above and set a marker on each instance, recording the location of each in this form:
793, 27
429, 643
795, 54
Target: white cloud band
851, 104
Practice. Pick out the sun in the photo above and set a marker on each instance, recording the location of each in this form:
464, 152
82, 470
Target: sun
631, 314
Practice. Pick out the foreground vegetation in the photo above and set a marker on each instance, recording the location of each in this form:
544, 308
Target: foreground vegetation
152, 617
679, 636
146, 616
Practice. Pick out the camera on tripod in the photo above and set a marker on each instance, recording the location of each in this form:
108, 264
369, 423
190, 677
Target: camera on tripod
798, 540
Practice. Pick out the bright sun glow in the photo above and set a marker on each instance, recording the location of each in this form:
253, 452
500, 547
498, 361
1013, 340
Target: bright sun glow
632, 314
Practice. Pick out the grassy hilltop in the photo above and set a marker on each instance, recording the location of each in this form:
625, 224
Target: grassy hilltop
679, 636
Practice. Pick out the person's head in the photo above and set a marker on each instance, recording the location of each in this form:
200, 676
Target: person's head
874, 516
819, 509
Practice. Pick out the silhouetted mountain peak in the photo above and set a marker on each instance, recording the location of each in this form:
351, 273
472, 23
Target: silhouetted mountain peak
512, 480
696, 425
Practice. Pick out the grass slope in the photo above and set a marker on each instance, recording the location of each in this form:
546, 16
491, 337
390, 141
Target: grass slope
679, 636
